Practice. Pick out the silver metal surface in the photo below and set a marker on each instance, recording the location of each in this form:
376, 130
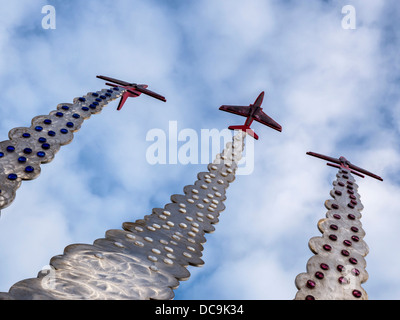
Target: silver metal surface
337, 269
27, 148
147, 258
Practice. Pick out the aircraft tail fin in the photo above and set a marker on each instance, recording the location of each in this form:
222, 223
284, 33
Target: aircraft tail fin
246, 129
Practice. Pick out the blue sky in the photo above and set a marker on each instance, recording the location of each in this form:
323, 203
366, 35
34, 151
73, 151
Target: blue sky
333, 90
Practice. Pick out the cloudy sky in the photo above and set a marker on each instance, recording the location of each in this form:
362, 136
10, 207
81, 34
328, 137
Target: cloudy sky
332, 89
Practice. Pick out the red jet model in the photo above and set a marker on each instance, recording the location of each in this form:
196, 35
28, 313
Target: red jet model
252, 112
132, 90
342, 162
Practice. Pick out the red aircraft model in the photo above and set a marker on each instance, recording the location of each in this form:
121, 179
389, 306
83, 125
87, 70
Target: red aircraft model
342, 162
132, 90
252, 112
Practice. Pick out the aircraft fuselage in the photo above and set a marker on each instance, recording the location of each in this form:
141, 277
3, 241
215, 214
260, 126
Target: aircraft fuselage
253, 111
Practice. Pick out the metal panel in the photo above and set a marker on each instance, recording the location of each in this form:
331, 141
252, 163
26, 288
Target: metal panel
147, 258
337, 269
27, 148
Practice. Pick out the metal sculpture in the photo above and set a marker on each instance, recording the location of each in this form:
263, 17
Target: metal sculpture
337, 269
252, 112
147, 258
28, 148
132, 90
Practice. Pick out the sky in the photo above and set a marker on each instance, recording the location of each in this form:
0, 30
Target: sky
332, 88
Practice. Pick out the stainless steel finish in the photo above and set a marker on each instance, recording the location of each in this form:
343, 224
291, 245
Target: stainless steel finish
337, 269
147, 258
26, 144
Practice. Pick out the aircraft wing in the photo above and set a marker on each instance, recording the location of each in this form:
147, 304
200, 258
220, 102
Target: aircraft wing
352, 166
120, 82
321, 156
240, 110
150, 93
261, 117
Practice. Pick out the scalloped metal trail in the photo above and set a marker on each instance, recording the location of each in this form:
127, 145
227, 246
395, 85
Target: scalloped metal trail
147, 258
337, 269
27, 148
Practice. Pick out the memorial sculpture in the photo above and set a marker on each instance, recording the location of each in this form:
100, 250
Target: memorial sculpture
337, 269
145, 259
